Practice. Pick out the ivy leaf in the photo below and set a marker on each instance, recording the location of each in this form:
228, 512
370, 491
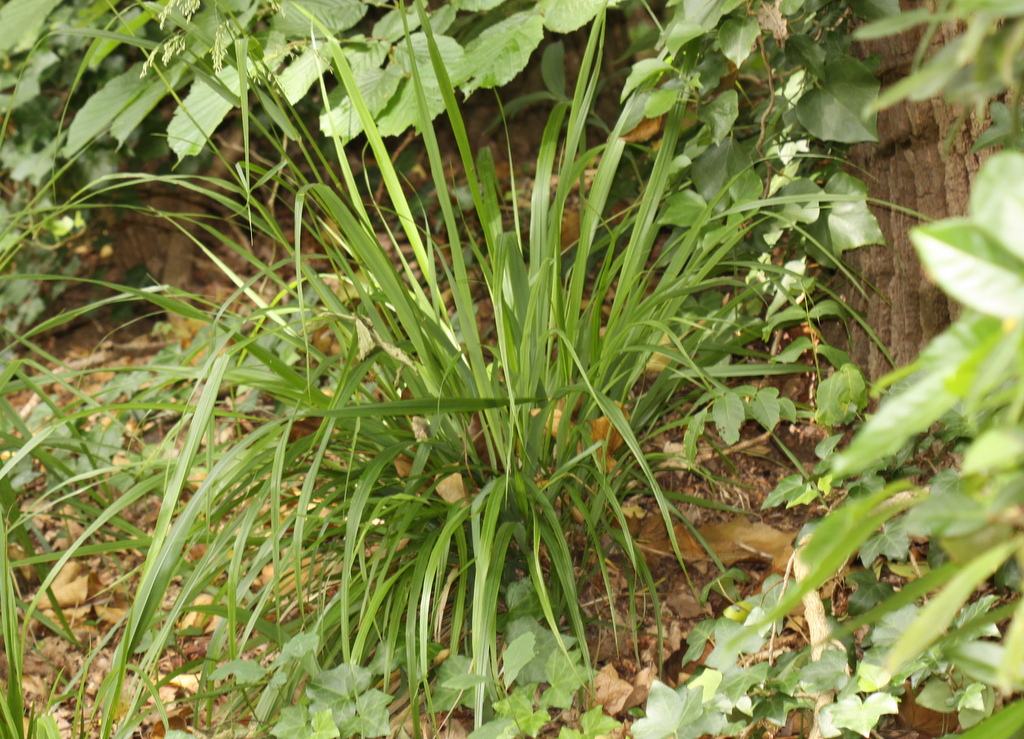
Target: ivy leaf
850, 223
501, 728
131, 116
850, 713
868, 591
892, 543
736, 37
729, 415
517, 655
243, 670
717, 166
826, 673
669, 713
835, 110
1001, 132
764, 407
502, 50
792, 490
841, 396
720, 114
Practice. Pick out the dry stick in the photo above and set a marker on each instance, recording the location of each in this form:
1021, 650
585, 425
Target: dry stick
818, 631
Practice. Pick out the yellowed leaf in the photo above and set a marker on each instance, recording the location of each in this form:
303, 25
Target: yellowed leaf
71, 586
610, 690
451, 488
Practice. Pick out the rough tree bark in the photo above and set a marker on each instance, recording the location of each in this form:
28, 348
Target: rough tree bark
914, 166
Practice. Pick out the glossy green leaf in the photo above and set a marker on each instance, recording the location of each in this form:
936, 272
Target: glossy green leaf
837, 110
764, 407
859, 716
517, 655
997, 200
669, 712
972, 267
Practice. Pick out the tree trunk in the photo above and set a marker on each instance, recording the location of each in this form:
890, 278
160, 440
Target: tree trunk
922, 162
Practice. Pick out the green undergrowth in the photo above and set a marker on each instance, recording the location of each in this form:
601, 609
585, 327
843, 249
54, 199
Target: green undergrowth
398, 528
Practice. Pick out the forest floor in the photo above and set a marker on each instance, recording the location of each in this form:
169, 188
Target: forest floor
733, 481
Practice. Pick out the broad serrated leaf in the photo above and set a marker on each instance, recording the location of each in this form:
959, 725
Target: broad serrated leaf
100, 110
18, 17
565, 16
335, 15
729, 414
377, 87
199, 114
502, 50
299, 75
836, 111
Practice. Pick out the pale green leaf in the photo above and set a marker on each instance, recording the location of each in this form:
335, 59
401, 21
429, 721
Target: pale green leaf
517, 655
642, 71
155, 90
764, 407
19, 17
851, 713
